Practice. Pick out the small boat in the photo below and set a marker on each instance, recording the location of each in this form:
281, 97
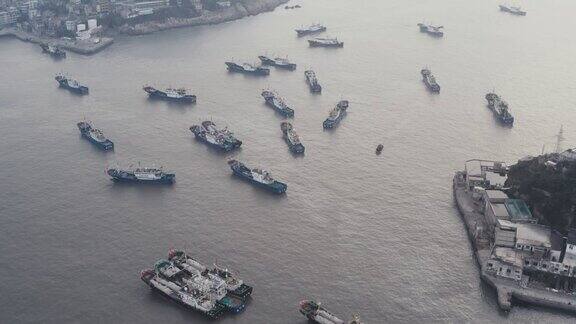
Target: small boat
258, 177
431, 30
180, 95
513, 10
95, 136
54, 51
379, 149
71, 84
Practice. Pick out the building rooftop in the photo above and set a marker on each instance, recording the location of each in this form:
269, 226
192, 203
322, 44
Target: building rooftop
518, 210
496, 195
535, 235
505, 238
509, 255
500, 210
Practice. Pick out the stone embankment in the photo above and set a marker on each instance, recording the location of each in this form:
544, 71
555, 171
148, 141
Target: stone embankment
80, 47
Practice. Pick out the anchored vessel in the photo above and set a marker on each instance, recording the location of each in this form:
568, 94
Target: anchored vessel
513, 10
142, 175
258, 177
430, 81
95, 136
292, 138
247, 68
54, 51
379, 149
180, 95
312, 81
276, 102
336, 114
279, 62
431, 30
325, 42
318, 314
234, 285
500, 108
71, 84
312, 29
187, 288
219, 138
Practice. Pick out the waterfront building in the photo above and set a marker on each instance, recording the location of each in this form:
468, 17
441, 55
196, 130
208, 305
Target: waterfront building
570, 250
498, 206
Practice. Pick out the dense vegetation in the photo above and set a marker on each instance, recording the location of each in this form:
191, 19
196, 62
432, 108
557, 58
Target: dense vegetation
550, 190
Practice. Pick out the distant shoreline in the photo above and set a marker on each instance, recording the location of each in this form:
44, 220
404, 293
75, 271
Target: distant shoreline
235, 12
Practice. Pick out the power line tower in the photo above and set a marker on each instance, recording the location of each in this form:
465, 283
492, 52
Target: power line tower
559, 139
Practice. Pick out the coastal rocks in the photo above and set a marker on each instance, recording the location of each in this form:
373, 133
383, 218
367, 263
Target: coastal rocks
237, 11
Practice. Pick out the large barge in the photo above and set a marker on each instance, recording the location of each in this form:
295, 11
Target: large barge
71, 84
325, 42
496, 226
148, 175
247, 68
336, 114
275, 101
436, 31
208, 133
291, 138
279, 62
500, 109
95, 136
259, 177
430, 81
53, 51
170, 94
312, 81
312, 29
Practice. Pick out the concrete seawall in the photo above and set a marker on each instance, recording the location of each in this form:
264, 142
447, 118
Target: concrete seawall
80, 47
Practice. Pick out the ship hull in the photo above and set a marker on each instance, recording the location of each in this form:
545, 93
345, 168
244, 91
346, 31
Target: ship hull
162, 96
82, 90
55, 54
215, 314
432, 87
305, 32
130, 178
332, 123
107, 145
296, 148
274, 189
243, 292
280, 110
328, 45
226, 148
233, 67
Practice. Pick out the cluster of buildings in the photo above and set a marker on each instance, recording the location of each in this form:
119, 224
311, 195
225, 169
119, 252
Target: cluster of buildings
72, 18
522, 250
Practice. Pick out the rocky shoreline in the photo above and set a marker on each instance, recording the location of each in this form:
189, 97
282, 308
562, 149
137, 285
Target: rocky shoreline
239, 10
236, 11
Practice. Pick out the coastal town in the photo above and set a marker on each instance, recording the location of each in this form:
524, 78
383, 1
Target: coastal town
86, 27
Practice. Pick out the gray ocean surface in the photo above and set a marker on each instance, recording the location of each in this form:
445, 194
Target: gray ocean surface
377, 235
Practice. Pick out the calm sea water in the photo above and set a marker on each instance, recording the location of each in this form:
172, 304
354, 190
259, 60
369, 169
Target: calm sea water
378, 235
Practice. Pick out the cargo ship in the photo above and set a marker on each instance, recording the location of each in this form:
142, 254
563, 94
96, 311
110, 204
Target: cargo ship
247, 68
71, 84
431, 30
325, 42
275, 101
234, 285
142, 175
500, 108
258, 177
278, 62
336, 114
312, 81
95, 136
54, 51
292, 138
208, 133
180, 95
312, 29
320, 315
513, 10
430, 80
